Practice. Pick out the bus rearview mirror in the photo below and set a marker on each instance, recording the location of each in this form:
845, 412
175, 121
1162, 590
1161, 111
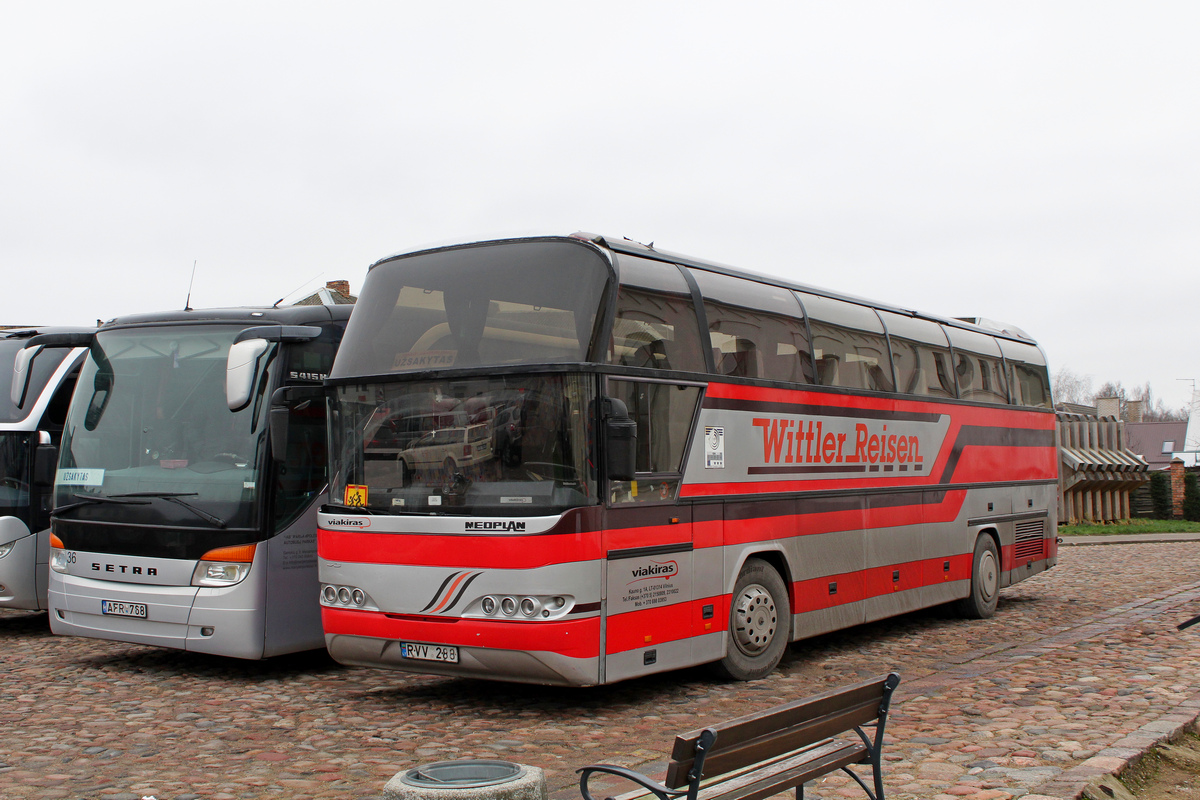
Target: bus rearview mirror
620, 441
22, 373
241, 371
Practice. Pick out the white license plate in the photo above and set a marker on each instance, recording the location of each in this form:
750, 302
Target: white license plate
119, 609
429, 652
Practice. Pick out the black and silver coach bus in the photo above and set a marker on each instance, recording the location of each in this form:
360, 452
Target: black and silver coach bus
191, 467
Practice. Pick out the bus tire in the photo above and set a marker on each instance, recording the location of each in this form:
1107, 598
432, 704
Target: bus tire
760, 623
985, 581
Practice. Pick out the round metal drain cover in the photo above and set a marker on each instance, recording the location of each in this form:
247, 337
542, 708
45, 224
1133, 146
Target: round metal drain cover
464, 774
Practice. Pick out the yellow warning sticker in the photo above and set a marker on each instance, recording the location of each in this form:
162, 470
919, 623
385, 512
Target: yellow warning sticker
356, 496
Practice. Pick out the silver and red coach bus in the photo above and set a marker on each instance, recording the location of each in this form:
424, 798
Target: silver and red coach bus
576, 460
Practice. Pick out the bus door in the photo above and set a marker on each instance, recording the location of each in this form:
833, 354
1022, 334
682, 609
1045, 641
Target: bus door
648, 542
648, 587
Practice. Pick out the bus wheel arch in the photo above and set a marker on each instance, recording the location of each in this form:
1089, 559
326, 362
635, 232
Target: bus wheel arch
981, 602
760, 621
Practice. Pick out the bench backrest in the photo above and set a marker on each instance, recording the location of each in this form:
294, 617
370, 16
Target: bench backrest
755, 738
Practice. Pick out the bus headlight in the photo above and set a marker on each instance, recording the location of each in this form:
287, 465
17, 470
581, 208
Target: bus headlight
58, 560
530, 607
224, 566
5, 549
346, 597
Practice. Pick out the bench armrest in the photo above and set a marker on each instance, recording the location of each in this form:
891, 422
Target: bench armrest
658, 790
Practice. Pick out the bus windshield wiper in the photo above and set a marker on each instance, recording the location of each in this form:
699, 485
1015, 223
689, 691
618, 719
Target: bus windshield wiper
89, 499
174, 497
359, 510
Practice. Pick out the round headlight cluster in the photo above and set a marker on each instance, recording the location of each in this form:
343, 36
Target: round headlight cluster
517, 607
343, 596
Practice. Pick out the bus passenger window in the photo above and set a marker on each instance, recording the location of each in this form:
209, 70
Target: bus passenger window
755, 330
655, 324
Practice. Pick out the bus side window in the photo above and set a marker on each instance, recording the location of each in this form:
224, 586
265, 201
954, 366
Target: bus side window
1029, 379
655, 325
755, 330
849, 346
663, 413
978, 367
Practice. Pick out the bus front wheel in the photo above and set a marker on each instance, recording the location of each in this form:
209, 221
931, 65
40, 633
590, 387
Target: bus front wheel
985, 581
760, 620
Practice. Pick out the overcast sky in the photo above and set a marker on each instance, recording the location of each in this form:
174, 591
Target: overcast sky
1037, 163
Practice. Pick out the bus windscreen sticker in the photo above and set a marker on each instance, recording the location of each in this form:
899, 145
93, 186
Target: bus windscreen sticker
714, 447
356, 496
80, 477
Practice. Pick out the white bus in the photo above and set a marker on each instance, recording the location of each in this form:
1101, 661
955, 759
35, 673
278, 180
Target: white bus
192, 464
32, 410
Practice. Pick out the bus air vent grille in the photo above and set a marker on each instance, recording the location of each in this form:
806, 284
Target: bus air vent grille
1030, 540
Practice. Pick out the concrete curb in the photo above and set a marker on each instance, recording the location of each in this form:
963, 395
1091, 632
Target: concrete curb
1128, 538
1120, 756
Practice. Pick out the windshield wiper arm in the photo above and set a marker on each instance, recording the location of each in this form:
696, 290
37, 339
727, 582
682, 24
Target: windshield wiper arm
174, 497
359, 509
89, 499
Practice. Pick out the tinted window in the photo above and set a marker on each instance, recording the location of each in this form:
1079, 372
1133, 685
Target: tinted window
1030, 380
978, 367
663, 413
755, 330
655, 325
848, 345
921, 356
499, 303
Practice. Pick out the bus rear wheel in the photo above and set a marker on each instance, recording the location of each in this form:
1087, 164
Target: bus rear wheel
760, 620
985, 581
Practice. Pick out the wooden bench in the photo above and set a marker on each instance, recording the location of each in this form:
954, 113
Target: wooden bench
759, 755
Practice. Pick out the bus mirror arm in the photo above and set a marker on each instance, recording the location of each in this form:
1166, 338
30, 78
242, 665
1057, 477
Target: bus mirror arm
620, 441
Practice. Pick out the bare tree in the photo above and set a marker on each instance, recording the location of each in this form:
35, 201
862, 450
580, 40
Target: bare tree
1072, 388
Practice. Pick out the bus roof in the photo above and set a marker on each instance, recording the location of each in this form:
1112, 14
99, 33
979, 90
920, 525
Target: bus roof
630, 247
284, 315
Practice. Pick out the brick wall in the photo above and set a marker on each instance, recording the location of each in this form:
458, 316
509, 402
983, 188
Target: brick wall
1177, 489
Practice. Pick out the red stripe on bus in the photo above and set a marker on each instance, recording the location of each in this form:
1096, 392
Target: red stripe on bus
981, 464
638, 630
475, 552
571, 638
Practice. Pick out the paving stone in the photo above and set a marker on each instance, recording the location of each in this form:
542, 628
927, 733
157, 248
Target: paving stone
1080, 670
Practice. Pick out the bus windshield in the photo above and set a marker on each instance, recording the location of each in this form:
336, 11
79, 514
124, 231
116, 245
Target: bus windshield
515, 445
14, 474
149, 427
499, 303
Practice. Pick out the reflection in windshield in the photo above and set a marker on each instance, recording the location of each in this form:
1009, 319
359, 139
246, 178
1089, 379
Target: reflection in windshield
150, 420
514, 445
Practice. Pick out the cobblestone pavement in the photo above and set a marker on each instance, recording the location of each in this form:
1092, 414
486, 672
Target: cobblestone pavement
1081, 667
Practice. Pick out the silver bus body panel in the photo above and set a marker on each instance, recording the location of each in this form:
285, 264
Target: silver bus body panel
19, 569
292, 604
177, 612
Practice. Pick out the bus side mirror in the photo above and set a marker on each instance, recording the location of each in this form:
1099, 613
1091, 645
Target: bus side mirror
22, 373
45, 461
241, 371
620, 441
